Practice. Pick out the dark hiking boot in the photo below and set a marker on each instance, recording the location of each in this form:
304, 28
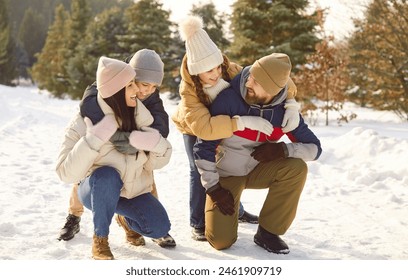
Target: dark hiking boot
248, 218
132, 236
70, 228
165, 242
270, 242
101, 249
198, 234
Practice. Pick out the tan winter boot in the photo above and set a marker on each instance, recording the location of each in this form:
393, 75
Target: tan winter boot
100, 248
132, 237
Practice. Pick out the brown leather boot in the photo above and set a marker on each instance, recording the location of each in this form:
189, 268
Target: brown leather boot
100, 248
132, 236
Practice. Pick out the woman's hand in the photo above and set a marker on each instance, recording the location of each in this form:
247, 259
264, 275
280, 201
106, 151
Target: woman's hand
103, 129
146, 139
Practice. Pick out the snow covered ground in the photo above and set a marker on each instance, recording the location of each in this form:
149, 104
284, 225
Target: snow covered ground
353, 207
351, 223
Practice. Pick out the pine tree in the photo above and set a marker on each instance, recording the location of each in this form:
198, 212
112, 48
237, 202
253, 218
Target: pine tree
30, 21
49, 70
263, 27
7, 63
148, 26
63, 37
293, 30
214, 23
379, 56
98, 6
32, 35
251, 27
100, 39
78, 20
76, 27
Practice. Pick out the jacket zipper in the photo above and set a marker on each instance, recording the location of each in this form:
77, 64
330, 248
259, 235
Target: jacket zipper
261, 115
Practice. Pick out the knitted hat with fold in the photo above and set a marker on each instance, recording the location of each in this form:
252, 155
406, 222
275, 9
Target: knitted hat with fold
112, 75
272, 72
202, 53
148, 66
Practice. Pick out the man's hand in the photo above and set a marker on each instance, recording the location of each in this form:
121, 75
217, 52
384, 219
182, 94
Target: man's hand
270, 151
222, 199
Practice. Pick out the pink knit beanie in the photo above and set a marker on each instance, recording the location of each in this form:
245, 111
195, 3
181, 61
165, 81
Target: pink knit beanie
112, 75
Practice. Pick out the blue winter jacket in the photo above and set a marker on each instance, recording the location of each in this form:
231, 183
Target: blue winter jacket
231, 156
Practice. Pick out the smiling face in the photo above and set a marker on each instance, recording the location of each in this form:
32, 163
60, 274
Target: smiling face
211, 77
256, 94
146, 89
131, 92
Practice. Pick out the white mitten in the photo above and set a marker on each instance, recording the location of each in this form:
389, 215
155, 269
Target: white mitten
254, 123
103, 129
145, 140
291, 118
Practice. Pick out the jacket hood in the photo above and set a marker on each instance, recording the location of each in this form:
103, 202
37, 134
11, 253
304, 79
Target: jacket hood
243, 77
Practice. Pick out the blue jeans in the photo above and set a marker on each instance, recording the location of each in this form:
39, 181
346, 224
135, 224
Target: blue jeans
197, 191
100, 193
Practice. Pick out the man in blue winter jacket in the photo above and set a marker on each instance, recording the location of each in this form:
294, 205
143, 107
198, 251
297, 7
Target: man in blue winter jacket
253, 160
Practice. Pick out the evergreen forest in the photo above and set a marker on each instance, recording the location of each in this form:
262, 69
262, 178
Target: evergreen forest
56, 45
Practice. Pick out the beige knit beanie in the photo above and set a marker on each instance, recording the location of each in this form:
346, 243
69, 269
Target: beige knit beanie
112, 75
202, 54
148, 66
272, 72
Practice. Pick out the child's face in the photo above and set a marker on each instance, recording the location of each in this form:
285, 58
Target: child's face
146, 89
211, 77
131, 93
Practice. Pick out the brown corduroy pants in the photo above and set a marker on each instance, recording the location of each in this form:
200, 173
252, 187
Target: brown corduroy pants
284, 178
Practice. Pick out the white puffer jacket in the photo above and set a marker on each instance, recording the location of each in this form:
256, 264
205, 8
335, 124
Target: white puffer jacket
81, 154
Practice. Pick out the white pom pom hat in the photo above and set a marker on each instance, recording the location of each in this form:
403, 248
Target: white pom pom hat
202, 53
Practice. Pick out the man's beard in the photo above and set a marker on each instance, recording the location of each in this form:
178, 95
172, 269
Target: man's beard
251, 98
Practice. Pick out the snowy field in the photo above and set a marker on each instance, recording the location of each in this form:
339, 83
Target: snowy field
353, 207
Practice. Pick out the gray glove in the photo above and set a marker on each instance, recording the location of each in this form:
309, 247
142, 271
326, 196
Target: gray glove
121, 142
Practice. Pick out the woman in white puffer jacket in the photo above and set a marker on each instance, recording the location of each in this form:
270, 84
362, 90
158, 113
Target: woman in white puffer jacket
114, 182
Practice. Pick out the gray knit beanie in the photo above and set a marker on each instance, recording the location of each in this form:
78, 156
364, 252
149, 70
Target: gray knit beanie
148, 66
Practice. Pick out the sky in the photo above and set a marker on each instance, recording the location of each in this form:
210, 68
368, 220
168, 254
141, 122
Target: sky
353, 207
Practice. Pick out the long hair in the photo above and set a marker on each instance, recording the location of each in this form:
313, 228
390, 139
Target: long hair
204, 98
123, 114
